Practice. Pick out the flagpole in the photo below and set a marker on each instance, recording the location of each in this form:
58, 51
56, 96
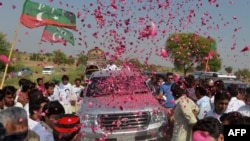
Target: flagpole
10, 53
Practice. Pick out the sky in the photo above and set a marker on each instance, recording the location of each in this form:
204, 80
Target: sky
226, 21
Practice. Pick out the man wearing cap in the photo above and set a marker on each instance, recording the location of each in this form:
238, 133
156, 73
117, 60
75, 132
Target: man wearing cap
66, 128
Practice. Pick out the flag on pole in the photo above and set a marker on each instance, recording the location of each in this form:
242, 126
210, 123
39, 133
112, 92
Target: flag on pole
211, 54
213, 46
56, 34
36, 14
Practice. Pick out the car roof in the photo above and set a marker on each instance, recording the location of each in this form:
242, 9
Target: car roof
105, 73
233, 81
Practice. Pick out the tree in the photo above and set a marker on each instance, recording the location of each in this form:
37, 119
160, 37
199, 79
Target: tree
59, 57
229, 69
135, 63
82, 59
70, 61
189, 50
242, 73
4, 48
214, 64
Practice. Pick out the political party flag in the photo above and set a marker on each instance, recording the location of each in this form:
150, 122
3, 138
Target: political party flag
36, 14
213, 46
55, 34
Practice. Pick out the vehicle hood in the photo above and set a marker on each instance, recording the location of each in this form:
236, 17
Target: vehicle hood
119, 103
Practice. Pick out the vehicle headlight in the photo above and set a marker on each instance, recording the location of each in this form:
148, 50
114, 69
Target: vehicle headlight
157, 116
89, 120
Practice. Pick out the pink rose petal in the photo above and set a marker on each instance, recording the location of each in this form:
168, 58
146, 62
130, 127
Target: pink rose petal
4, 59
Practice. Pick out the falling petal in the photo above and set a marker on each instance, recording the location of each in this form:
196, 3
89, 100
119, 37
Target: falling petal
164, 53
153, 29
79, 14
245, 49
90, 105
13, 59
4, 59
63, 69
20, 120
13, 6
234, 17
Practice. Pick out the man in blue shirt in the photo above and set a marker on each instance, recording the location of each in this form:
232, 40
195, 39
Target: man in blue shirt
166, 94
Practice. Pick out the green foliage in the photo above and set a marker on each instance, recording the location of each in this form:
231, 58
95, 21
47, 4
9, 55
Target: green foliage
215, 64
70, 61
229, 69
60, 57
135, 62
82, 59
242, 73
4, 48
36, 57
47, 54
189, 50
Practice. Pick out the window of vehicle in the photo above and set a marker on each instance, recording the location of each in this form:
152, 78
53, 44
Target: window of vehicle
48, 69
240, 85
100, 86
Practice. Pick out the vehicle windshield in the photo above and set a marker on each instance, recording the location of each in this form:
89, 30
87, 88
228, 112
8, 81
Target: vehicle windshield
240, 85
47, 69
118, 85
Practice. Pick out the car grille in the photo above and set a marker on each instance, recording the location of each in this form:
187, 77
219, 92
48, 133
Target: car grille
124, 121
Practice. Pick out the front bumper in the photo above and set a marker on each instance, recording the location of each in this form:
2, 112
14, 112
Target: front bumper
151, 133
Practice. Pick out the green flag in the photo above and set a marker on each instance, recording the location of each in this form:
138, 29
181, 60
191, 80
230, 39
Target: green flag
213, 47
36, 14
56, 34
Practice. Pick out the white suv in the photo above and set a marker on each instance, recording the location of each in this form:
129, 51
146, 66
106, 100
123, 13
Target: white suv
117, 105
48, 70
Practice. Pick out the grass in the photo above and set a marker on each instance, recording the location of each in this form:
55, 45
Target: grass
36, 66
72, 71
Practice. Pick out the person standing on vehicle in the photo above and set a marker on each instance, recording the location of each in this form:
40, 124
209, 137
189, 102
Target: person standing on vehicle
111, 66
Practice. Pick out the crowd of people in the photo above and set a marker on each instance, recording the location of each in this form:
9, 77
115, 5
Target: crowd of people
198, 110
40, 111
195, 110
